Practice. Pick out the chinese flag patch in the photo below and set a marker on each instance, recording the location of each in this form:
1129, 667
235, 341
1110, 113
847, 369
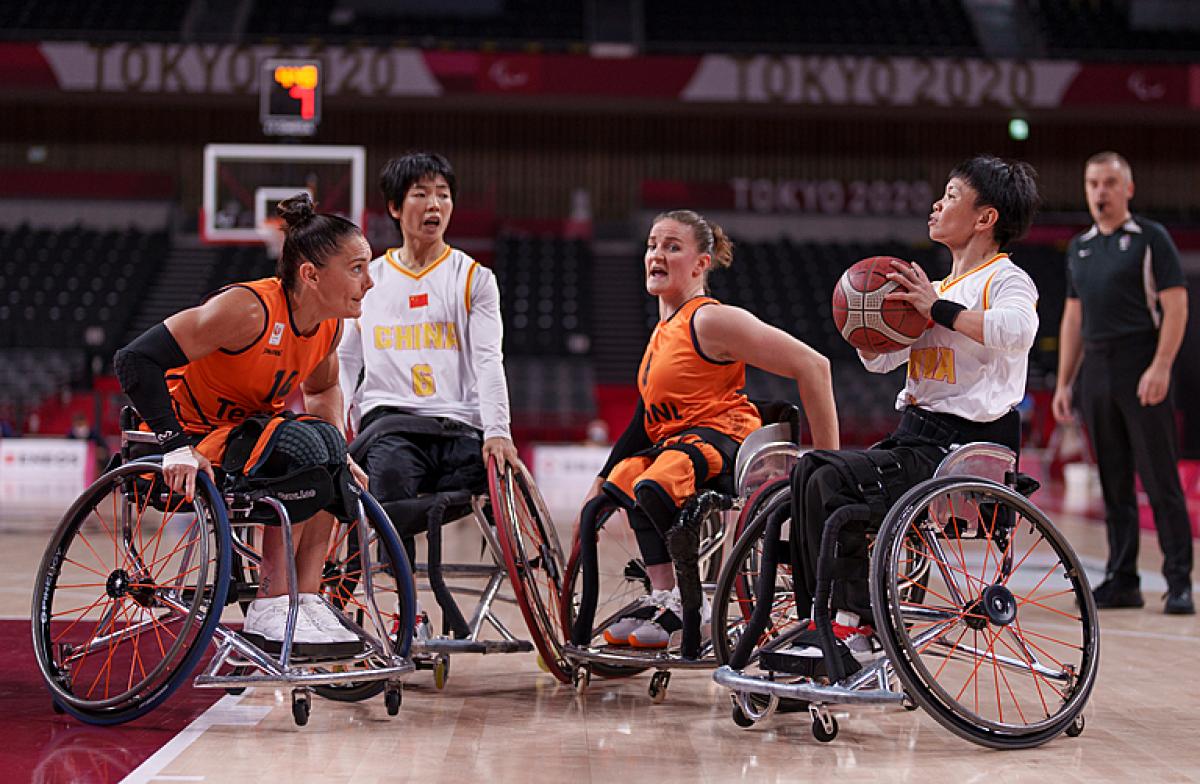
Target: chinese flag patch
418, 300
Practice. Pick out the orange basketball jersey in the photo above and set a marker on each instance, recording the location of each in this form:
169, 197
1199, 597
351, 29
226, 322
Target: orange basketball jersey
681, 388
225, 387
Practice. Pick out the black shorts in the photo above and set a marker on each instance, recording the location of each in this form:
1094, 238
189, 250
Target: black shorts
405, 465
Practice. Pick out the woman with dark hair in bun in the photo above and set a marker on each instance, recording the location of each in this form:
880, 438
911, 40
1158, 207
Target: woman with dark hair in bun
691, 416
204, 371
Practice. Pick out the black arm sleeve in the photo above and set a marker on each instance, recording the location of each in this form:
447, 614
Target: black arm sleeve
141, 367
632, 441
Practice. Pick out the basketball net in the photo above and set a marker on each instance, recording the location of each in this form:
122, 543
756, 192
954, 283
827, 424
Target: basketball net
270, 231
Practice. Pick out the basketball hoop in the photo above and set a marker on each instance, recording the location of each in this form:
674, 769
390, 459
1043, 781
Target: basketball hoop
270, 231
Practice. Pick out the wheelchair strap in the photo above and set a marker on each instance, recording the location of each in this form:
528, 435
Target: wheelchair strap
725, 445
875, 476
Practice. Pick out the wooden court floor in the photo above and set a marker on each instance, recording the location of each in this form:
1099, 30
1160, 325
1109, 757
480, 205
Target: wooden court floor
500, 719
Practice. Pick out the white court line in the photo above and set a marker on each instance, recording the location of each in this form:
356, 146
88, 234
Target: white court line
226, 711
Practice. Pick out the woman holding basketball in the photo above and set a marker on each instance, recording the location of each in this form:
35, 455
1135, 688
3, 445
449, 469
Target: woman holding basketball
690, 416
966, 374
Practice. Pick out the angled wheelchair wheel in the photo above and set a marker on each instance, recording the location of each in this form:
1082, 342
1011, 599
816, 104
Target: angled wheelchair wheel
128, 593
343, 584
1001, 643
533, 558
622, 583
736, 593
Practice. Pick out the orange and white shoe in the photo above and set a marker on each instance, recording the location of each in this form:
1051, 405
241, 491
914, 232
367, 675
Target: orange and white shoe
638, 613
665, 628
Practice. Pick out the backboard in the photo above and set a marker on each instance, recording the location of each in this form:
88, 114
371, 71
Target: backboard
244, 182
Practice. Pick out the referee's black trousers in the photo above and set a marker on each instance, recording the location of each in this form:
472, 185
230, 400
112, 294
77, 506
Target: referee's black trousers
1127, 435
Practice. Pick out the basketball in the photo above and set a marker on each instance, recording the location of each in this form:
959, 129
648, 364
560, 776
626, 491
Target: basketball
868, 321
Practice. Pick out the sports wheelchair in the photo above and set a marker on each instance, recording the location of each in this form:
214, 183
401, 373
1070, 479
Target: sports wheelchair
519, 538
134, 581
982, 610
696, 543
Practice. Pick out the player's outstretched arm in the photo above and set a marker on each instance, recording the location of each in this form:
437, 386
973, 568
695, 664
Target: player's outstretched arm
727, 333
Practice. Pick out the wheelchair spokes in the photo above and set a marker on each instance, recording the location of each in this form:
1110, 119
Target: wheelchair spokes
533, 558
1002, 636
128, 586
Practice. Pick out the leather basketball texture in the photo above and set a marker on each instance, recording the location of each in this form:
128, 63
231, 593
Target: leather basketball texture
865, 318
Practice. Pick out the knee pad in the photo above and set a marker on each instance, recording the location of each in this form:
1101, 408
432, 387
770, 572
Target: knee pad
305, 443
302, 463
656, 504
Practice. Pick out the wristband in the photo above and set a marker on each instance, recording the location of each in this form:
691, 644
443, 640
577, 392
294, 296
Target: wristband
183, 456
944, 312
171, 440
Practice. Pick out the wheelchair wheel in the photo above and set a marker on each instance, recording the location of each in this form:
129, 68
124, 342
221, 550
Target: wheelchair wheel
734, 598
623, 581
1001, 644
533, 558
343, 586
128, 593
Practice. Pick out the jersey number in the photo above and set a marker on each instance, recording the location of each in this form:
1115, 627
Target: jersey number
281, 387
422, 381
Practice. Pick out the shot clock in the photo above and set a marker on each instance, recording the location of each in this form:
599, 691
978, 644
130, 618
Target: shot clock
290, 96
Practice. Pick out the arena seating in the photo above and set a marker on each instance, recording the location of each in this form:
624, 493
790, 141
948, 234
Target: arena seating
554, 23
66, 18
64, 296
1091, 29
57, 285
543, 288
239, 263
547, 323
878, 26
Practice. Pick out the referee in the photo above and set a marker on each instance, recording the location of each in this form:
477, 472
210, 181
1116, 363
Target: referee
1122, 325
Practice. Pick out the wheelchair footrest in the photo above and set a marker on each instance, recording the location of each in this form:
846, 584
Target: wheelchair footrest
790, 661
471, 646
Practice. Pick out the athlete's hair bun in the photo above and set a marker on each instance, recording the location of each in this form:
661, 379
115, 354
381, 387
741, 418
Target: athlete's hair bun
296, 209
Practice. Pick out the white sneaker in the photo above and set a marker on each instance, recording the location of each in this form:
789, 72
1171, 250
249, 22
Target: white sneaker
266, 619
665, 627
323, 617
638, 613
266, 626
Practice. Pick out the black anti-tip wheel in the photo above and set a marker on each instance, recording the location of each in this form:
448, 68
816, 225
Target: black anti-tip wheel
740, 718
821, 733
392, 698
301, 706
1075, 728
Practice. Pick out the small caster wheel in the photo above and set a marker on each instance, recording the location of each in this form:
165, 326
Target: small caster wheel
235, 691
301, 705
658, 686
580, 680
1075, 728
441, 670
908, 704
822, 733
57, 707
740, 718
392, 697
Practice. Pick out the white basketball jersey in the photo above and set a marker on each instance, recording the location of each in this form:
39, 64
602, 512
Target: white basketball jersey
429, 343
951, 374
